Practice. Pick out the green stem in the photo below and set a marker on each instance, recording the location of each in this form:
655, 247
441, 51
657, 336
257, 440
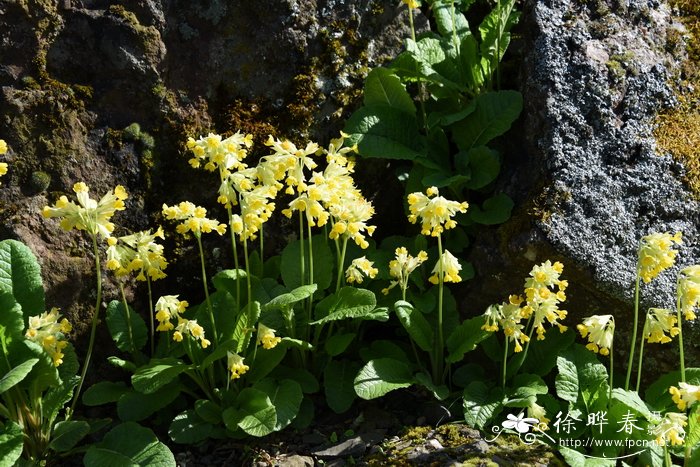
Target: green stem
641, 355
505, 364
93, 328
247, 270
206, 288
439, 351
262, 252
680, 329
128, 317
151, 313
302, 255
235, 254
341, 264
612, 343
667, 457
634, 330
309, 301
523, 355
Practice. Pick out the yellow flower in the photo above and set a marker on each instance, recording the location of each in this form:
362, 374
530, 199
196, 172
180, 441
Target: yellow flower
137, 253
448, 266
217, 153
3, 147
656, 254
670, 429
48, 330
543, 299
359, 268
89, 215
337, 153
689, 291
537, 411
434, 212
510, 316
413, 4
167, 308
401, 267
685, 395
235, 365
659, 322
295, 161
350, 217
193, 219
190, 327
266, 337
600, 330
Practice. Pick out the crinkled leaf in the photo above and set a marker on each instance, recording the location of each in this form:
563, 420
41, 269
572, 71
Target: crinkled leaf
288, 299
129, 444
255, 414
219, 352
43, 374
383, 87
338, 380
383, 348
265, 361
66, 434
55, 399
127, 327
465, 338
631, 400
347, 303
381, 376
208, 410
188, 428
225, 281
450, 21
307, 381
580, 372
286, 395
125, 365
482, 163
415, 324
17, 374
11, 443
495, 34
20, 280
157, 373
657, 393
439, 392
482, 404
245, 324
494, 114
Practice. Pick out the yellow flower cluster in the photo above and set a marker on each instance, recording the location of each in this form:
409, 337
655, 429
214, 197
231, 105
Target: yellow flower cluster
600, 330
359, 269
401, 267
507, 316
235, 365
685, 395
542, 299
434, 211
225, 155
266, 337
659, 322
48, 330
89, 215
689, 291
656, 254
168, 307
194, 219
670, 429
448, 267
137, 253
289, 162
3, 150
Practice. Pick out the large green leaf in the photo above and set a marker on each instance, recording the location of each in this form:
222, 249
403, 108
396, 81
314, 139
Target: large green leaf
385, 132
495, 113
481, 404
286, 395
129, 444
290, 298
324, 261
11, 444
450, 20
348, 303
383, 87
337, 343
495, 210
17, 374
136, 406
245, 324
482, 163
495, 34
581, 374
66, 434
20, 278
157, 373
225, 281
255, 414
43, 374
465, 338
632, 401
416, 325
338, 380
188, 428
657, 393
56, 398
381, 376
104, 392
265, 361
127, 328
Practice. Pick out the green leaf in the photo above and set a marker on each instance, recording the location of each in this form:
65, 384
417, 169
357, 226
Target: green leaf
55, 399
495, 210
383, 87
43, 374
337, 343
286, 395
380, 376
465, 338
525, 387
11, 444
580, 372
542, 356
631, 400
450, 21
495, 34
256, 414
245, 325
495, 113
127, 328
324, 261
692, 438
66, 434
482, 404
288, 299
307, 381
439, 392
265, 361
657, 393
385, 132
483, 164
225, 281
208, 411
383, 348
129, 444
136, 406
219, 352
104, 392
17, 374
416, 325
338, 380
347, 303
157, 373
20, 279
125, 365
188, 428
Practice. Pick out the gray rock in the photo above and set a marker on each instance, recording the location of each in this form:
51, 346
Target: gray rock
294, 460
354, 446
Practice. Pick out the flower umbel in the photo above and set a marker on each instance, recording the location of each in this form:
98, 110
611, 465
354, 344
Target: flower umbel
167, 308
194, 219
670, 429
359, 269
685, 395
600, 330
656, 254
449, 266
266, 337
89, 215
235, 365
434, 212
48, 330
660, 326
689, 291
137, 253
401, 267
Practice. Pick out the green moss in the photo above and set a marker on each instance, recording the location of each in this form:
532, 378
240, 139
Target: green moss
40, 181
132, 132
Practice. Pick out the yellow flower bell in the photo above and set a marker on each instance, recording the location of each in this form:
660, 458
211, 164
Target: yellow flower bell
656, 254
49, 330
600, 330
